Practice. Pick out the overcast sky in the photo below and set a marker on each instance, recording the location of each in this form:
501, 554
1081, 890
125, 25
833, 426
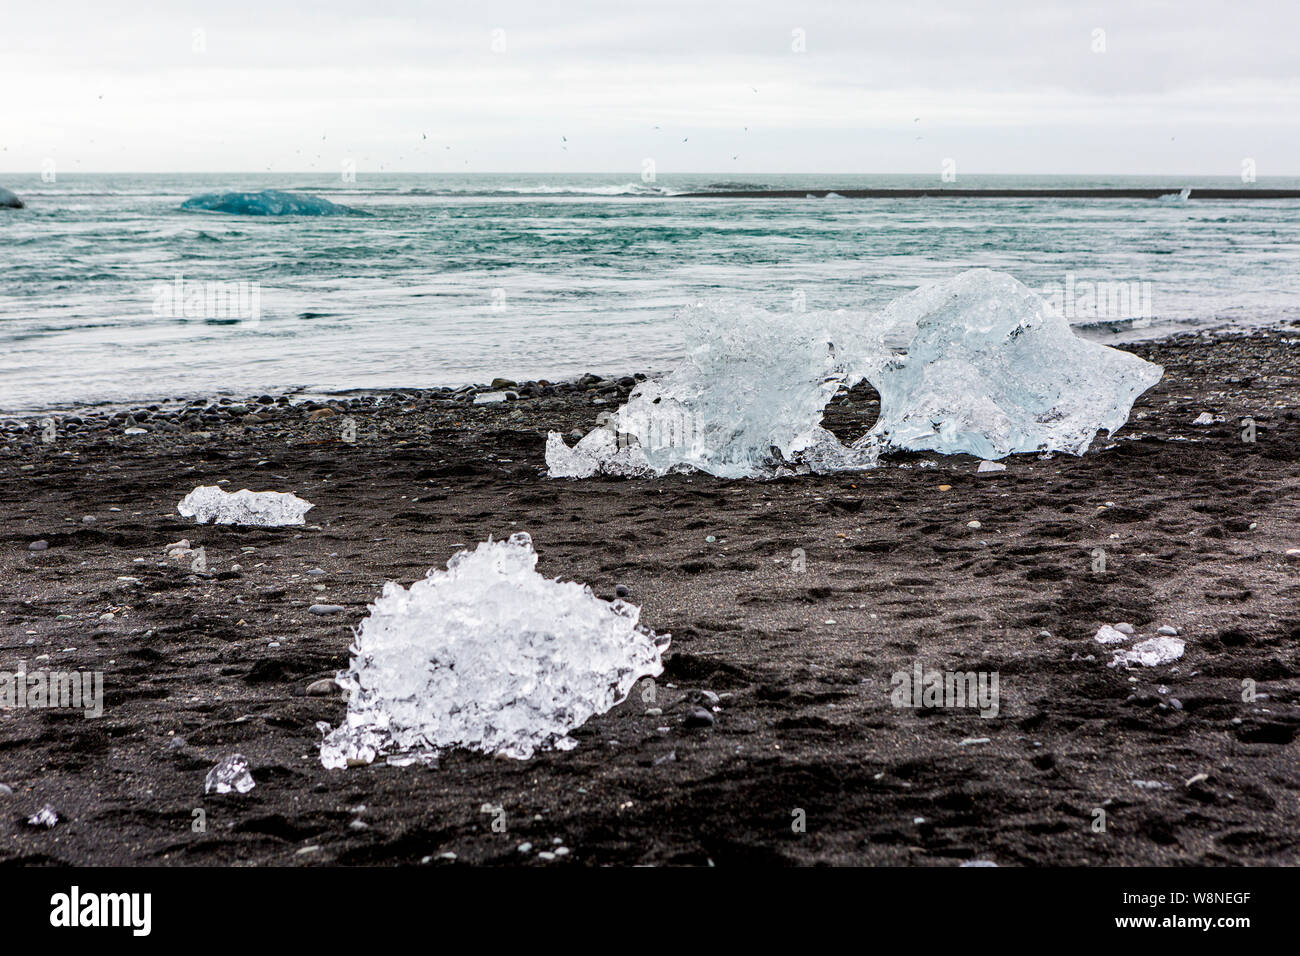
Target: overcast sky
1000, 87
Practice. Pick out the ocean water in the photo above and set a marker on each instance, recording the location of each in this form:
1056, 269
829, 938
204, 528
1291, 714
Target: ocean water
454, 279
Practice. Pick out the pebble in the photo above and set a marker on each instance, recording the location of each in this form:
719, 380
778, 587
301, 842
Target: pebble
323, 688
974, 525
1165, 630
1293, 554
326, 609
698, 717
39, 546
1127, 629
525, 848
622, 590
6, 790
546, 855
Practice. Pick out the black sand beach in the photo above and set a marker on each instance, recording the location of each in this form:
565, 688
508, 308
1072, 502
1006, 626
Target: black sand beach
794, 667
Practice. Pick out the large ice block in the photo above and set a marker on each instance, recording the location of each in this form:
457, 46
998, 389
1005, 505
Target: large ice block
990, 370
993, 370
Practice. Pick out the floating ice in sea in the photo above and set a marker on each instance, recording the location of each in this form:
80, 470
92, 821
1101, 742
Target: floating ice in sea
991, 370
231, 774
9, 200
488, 656
269, 202
263, 509
1154, 652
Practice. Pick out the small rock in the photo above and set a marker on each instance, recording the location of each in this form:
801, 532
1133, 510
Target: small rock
1293, 554
622, 590
6, 790
698, 717
39, 546
1164, 630
323, 688
525, 848
974, 525
1126, 629
320, 413
326, 609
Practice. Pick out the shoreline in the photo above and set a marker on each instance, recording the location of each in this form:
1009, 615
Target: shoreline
792, 603
308, 395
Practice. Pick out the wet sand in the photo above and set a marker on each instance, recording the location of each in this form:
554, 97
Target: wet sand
794, 665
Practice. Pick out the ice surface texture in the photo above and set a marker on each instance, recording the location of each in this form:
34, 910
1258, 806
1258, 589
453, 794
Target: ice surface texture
488, 656
746, 402
269, 202
264, 509
991, 370
231, 774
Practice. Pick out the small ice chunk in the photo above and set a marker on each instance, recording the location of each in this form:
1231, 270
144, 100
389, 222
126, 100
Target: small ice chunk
487, 655
231, 774
1154, 652
489, 398
987, 466
1205, 418
263, 509
1109, 635
45, 818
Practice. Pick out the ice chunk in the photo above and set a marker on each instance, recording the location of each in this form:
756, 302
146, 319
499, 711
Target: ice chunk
990, 370
9, 200
489, 656
993, 370
1153, 652
231, 774
746, 402
269, 202
990, 466
1205, 418
45, 818
263, 509
1109, 635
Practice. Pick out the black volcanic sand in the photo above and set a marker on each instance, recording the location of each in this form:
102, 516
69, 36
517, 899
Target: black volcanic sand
1195, 523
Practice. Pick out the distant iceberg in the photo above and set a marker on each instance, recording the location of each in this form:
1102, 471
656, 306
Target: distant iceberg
9, 200
991, 371
269, 202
